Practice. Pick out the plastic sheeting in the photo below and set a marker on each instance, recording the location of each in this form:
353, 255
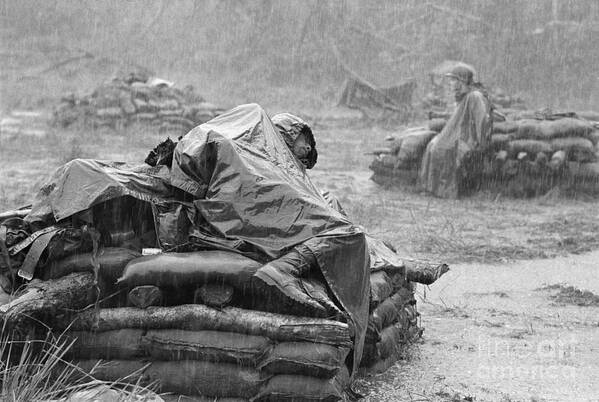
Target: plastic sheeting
254, 196
249, 194
82, 183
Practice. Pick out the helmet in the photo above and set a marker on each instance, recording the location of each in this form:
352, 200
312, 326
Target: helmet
462, 72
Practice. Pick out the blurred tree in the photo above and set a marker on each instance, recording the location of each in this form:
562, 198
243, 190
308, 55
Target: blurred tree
546, 49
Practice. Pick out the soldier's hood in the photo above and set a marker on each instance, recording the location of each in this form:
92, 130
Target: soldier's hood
290, 127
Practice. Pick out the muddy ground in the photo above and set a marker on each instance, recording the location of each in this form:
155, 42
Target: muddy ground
503, 333
494, 330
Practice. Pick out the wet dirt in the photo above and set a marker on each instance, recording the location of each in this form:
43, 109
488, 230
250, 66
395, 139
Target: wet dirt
495, 332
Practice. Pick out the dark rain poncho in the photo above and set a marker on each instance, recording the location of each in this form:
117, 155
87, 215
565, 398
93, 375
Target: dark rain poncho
468, 129
249, 194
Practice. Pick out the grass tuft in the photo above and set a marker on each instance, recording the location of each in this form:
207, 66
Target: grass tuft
36, 370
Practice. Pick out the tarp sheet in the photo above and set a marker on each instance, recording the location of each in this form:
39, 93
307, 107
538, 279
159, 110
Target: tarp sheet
250, 195
82, 183
251, 192
468, 129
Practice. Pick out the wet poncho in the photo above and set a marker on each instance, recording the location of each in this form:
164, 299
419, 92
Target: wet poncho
468, 130
238, 183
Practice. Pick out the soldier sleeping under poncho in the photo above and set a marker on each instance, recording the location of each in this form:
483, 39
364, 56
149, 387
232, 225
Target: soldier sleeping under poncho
234, 185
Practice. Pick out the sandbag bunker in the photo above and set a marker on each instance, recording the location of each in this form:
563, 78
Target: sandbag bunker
197, 323
137, 98
529, 153
152, 294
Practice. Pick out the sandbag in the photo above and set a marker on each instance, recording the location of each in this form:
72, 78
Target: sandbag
213, 346
576, 148
190, 269
531, 147
212, 295
303, 358
413, 146
500, 141
199, 317
296, 388
110, 113
588, 171
388, 160
127, 105
380, 288
436, 125
550, 129
505, 127
393, 337
170, 112
112, 261
387, 313
125, 371
144, 117
143, 106
377, 365
558, 160
424, 272
193, 377
168, 104
569, 127
121, 344
528, 129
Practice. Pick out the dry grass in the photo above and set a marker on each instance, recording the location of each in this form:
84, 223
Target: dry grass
480, 230
36, 370
564, 294
28, 374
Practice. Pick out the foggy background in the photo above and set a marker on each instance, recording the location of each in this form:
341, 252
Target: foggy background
296, 54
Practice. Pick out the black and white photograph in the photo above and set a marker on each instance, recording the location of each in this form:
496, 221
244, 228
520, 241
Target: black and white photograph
299, 200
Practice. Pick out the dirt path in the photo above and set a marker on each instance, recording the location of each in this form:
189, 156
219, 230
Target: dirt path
491, 334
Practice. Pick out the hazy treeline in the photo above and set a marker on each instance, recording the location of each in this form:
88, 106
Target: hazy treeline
546, 49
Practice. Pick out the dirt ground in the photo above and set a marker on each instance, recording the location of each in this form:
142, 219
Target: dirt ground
491, 334
496, 333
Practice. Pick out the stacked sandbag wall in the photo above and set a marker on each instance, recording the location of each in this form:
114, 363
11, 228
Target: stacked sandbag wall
181, 342
400, 160
265, 364
122, 102
393, 319
200, 323
526, 157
